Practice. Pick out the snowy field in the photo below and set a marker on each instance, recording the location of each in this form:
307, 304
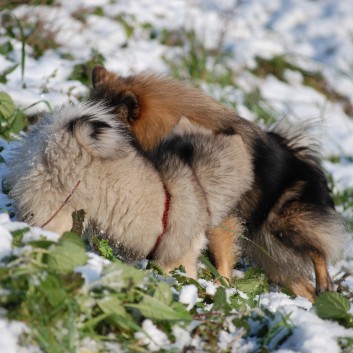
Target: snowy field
270, 59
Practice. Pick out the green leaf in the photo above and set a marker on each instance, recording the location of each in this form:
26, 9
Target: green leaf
17, 236
112, 305
154, 309
118, 276
332, 306
72, 281
117, 313
12, 120
253, 283
163, 293
52, 290
42, 243
213, 270
220, 301
7, 106
105, 249
67, 254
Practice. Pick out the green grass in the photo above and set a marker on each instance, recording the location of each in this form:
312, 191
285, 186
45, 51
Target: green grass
82, 72
195, 62
277, 66
41, 288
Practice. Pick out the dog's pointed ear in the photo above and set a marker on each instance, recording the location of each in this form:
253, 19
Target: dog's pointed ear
99, 75
131, 102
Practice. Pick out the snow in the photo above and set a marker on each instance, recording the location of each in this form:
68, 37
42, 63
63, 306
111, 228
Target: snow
311, 334
5, 237
11, 332
151, 336
316, 35
188, 295
91, 272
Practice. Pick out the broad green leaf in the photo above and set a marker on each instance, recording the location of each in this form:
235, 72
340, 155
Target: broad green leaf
118, 276
17, 236
7, 106
253, 283
332, 306
112, 305
154, 309
42, 243
220, 301
163, 293
67, 254
72, 281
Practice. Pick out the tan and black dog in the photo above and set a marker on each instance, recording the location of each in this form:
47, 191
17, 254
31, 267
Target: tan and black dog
288, 216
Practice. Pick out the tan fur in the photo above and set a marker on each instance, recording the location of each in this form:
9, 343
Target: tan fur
152, 105
223, 245
120, 190
161, 102
302, 288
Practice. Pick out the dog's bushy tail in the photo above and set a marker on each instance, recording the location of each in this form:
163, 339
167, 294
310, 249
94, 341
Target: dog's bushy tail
300, 222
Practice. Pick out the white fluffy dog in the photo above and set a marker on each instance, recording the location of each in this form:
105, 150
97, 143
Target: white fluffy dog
160, 206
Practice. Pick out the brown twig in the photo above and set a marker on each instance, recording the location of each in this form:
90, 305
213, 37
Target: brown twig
205, 315
339, 281
62, 205
78, 218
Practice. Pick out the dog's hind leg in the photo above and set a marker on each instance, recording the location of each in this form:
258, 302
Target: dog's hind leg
222, 245
302, 287
323, 279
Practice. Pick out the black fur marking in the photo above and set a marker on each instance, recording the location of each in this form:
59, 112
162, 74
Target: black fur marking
277, 169
83, 119
177, 146
119, 102
97, 125
111, 100
132, 105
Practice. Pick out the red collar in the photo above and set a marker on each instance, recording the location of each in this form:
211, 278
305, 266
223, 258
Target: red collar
164, 223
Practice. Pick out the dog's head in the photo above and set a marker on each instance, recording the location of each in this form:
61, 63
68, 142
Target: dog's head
151, 105
117, 92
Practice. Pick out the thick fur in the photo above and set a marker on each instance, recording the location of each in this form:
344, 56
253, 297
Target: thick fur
121, 191
288, 215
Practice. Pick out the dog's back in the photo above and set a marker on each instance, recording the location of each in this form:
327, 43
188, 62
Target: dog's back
222, 165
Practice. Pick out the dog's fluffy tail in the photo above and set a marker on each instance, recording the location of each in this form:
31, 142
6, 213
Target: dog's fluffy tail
301, 221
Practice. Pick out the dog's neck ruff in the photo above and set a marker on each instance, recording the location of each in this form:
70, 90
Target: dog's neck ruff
164, 223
